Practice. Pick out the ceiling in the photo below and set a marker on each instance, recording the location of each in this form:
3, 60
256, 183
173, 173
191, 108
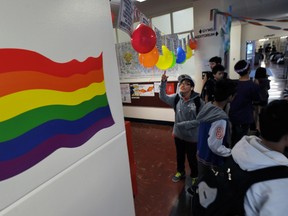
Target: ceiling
272, 9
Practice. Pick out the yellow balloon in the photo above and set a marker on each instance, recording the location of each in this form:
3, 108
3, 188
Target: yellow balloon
165, 60
188, 52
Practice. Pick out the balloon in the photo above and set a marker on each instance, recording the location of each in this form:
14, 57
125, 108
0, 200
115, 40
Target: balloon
174, 60
149, 59
183, 62
181, 55
165, 60
193, 44
188, 52
143, 38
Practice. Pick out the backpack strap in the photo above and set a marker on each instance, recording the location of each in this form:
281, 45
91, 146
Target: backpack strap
246, 179
177, 98
196, 101
255, 176
265, 174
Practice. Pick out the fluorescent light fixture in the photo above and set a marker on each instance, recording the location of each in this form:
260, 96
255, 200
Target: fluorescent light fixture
265, 39
140, 0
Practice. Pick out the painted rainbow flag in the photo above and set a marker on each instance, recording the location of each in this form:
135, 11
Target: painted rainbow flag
47, 105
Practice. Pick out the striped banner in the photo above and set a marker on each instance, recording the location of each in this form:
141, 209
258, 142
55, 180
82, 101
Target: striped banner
249, 20
47, 105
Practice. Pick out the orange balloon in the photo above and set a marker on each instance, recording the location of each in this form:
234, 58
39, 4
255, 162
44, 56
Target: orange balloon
149, 59
193, 44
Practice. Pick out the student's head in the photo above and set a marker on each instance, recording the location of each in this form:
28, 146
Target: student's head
242, 67
214, 61
225, 89
273, 121
260, 73
186, 84
218, 72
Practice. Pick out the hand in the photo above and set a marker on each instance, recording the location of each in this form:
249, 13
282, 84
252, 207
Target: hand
164, 77
180, 124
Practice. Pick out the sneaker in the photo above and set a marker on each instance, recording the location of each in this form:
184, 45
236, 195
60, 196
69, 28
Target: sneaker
178, 176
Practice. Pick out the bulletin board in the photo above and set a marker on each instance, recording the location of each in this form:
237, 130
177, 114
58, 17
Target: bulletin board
141, 98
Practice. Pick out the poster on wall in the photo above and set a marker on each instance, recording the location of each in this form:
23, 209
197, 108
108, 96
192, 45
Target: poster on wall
170, 88
146, 90
125, 93
61, 104
130, 68
157, 87
134, 90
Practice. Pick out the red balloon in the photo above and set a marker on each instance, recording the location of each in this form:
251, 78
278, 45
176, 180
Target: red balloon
193, 44
143, 39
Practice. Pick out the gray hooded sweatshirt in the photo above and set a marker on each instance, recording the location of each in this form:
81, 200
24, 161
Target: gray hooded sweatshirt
185, 114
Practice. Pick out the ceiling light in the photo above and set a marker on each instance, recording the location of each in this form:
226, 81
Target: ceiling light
140, 0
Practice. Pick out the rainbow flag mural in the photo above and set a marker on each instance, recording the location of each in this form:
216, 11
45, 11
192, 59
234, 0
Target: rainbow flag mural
47, 105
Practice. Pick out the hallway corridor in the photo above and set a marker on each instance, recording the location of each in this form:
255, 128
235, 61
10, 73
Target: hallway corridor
154, 153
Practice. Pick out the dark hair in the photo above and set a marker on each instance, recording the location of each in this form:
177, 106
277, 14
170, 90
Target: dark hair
217, 68
216, 59
260, 73
224, 88
273, 120
242, 67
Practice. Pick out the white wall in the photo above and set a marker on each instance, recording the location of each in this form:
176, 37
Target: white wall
92, 186
94, 178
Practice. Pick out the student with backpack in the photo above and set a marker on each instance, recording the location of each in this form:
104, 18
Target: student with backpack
253, 153
216, 60
218, 74
253, 181
214, 130
186, 103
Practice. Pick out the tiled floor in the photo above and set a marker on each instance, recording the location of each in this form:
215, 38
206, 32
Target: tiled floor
154, 153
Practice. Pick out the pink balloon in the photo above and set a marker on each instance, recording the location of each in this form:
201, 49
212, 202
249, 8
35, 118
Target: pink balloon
143, 39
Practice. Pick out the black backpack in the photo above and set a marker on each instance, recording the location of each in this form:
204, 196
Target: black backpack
221, 192
196, 101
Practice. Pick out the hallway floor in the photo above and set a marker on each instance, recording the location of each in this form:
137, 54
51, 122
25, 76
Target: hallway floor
154, 154
155, 158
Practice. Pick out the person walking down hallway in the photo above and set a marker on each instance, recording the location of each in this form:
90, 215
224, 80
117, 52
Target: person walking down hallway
216, 60
186, 104
241, 108
262, 80
218, 74
253, 153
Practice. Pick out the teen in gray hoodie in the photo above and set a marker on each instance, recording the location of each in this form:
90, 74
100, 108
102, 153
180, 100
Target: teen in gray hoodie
186, 104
